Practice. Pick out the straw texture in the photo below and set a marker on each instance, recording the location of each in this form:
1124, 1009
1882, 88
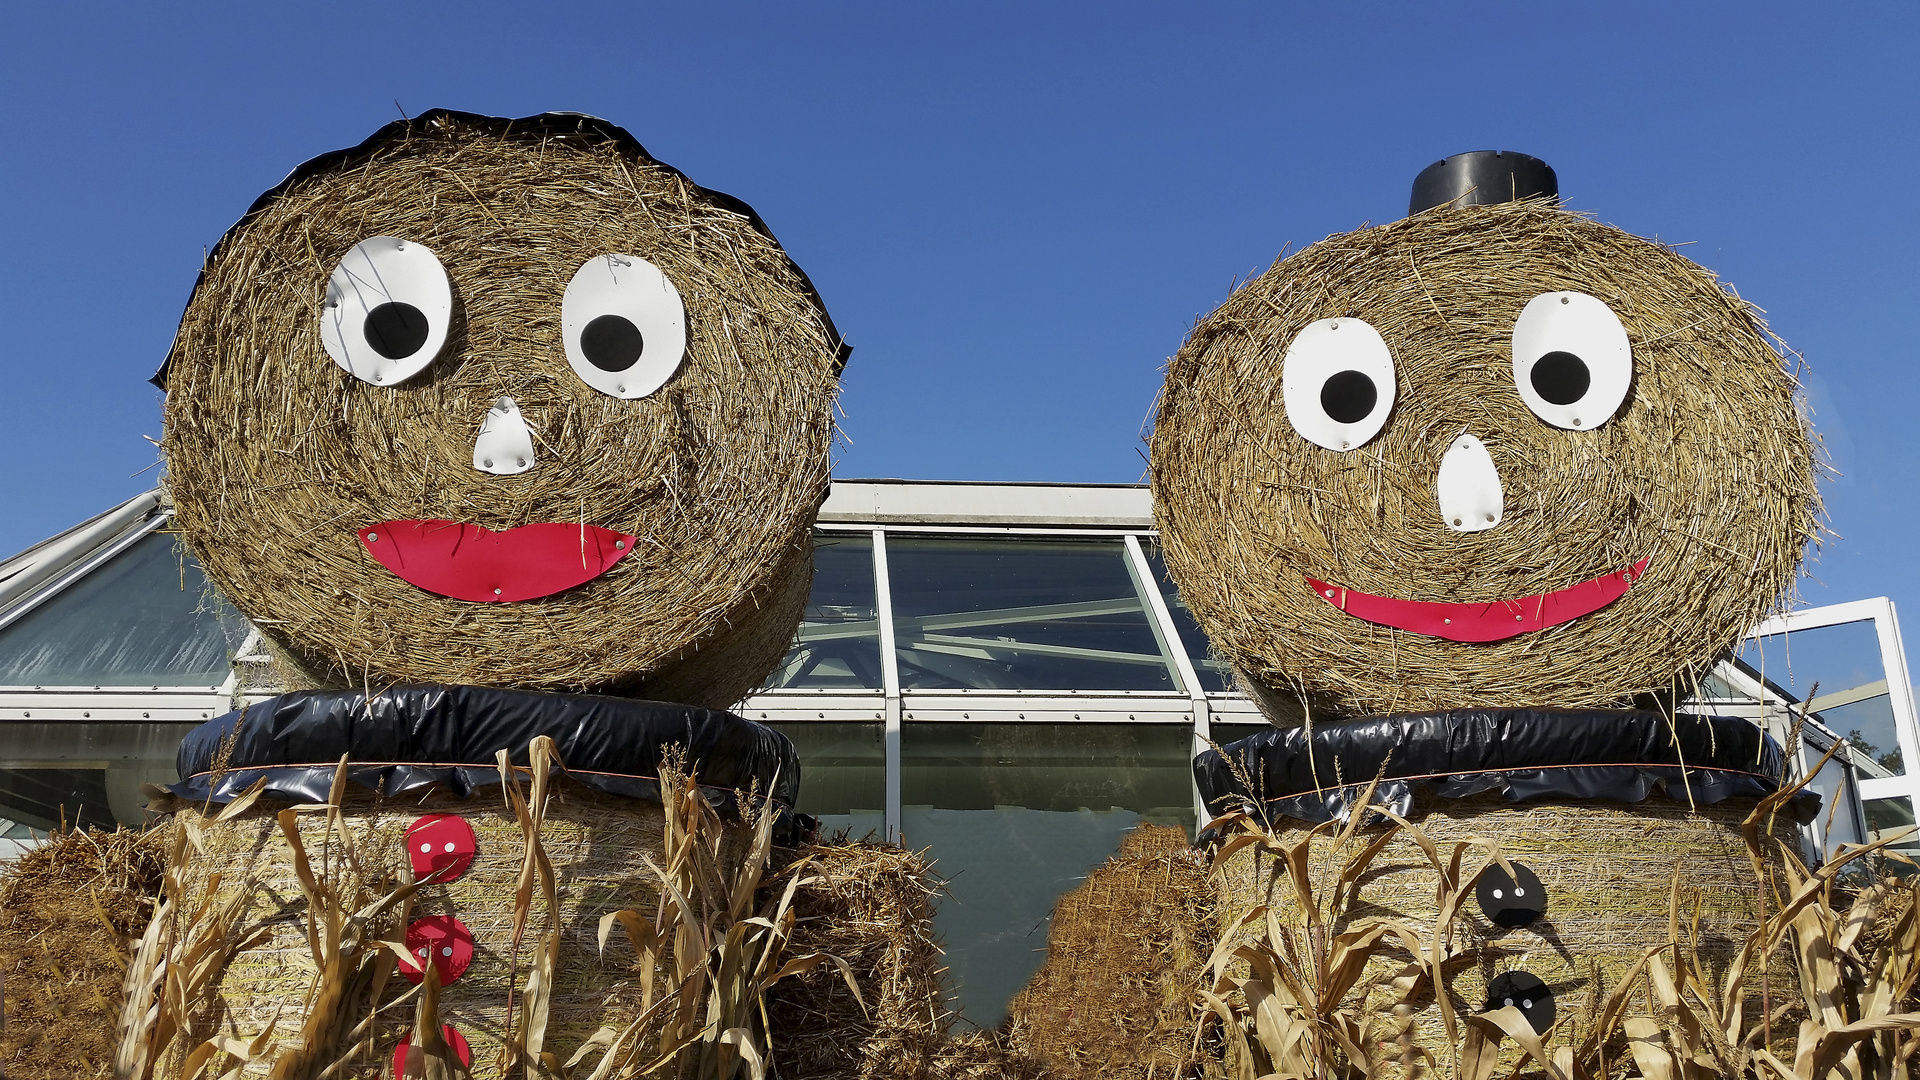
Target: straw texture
593, 841
276, 455
871, 905
1124, 953
69, 910
1609, 874
1707, 470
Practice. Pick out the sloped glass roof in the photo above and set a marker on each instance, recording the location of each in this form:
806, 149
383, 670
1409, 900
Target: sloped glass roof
148, 617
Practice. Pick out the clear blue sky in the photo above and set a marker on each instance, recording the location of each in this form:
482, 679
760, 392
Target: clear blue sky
1014, 211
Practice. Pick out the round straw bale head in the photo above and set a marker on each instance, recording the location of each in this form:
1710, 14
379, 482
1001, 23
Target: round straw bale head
691, 502
1610, 874
1692, 458
595, 843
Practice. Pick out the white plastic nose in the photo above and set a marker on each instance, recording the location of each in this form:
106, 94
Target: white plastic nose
1471, 498
504, 447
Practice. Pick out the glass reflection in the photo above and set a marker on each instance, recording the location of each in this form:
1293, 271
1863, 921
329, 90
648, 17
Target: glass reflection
838, 645
1015, 815
1216, 677
1006, 614
1838, 822
1840, 666
83, 773
1886, 816
146, 618
842, 775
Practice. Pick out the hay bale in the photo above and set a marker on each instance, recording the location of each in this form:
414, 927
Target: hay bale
1125, 952
69, 910
1608, 870
277, 456
870, 904
594, 842
1706, 470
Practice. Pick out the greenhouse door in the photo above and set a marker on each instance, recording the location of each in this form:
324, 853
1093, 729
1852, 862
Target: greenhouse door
1845, 666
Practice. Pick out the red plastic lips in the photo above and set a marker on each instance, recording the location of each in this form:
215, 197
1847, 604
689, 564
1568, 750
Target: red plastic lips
440, 846
1483, 622
442, 939
448, 1032
468, 562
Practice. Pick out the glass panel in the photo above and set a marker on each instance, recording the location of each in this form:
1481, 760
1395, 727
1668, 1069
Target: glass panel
1229, 733
1890, 816
1215, 676
81, 773
1841, 667
838, 646
148, 617
842, 775
1014, 815
41, 799
1021, 615
1836, 824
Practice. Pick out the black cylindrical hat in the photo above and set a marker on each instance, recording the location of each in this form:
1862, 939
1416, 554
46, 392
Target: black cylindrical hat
1479, 177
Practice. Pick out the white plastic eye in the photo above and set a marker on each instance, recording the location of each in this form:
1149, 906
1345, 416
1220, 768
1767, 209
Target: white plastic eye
624, 324
1337, 381
1571, 361
387, 310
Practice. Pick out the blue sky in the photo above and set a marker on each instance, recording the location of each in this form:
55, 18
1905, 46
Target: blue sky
1014, 211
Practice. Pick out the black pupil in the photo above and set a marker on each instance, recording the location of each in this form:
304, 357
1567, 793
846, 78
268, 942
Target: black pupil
395, 330
611, 343
1348, 397
1561, 378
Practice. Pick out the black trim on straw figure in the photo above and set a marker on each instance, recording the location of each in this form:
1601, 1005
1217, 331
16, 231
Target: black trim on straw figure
558, 125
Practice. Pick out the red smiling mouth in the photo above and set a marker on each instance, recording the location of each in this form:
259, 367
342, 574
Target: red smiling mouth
468, 562
1497, 620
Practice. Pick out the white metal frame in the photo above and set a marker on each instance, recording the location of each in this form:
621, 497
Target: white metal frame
1187, 704
1899, 684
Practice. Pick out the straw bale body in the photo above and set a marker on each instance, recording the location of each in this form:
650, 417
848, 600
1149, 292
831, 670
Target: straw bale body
1125, 951
1706, 470
1609, 872
278, 456
594, 841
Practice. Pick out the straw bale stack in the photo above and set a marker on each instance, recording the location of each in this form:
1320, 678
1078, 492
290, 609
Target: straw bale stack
277, 455
1125, 952
69, 911
592, 840
1609, 873
871, 905
1706, 470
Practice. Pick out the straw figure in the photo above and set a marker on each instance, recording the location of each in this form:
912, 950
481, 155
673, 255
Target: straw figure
1375, 501
505, 403
1459, 492
509, 439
